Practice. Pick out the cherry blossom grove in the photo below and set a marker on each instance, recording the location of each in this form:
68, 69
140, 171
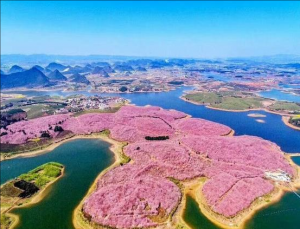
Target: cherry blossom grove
142, 193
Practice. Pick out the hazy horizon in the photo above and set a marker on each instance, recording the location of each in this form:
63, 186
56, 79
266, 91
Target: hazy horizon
142, 56
151, 29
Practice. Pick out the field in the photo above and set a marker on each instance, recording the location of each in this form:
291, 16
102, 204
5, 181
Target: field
296, 118
225, 100
209, 97
39, 110
43, 174
112, 110
295, 121
279, 106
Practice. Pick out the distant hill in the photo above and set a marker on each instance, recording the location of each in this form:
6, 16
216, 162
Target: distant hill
55, 66
108, 69
128, 73
15, 69
29, 78
77, 69
273, 59
40, 68
100, 71
87, 68
77, 78
57, 76
123, 68
293, 65
160, 64
101, 64
141, 69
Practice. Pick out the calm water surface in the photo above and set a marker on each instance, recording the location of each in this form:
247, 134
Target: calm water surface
273, 129
85, 159
283, 214
280, 95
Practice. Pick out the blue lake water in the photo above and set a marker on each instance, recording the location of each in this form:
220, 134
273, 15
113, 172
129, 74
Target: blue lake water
290, 86
218, 77
273, 129
223, 77
84, 159
283, 214
280, 95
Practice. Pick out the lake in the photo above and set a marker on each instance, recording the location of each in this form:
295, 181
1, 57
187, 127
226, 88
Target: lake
280, 95
85, 159
273, 129
283, 214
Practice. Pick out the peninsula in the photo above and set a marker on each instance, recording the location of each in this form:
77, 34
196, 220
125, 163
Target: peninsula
166, 154
238, 101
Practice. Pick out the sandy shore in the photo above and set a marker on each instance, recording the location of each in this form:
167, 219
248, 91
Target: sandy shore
245, 110
254, 115
35, 199
284, 115
50, 147
260, 120
285, 119
194, 188
116, 147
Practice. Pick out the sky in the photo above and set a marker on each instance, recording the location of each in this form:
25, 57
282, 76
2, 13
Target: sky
158, 29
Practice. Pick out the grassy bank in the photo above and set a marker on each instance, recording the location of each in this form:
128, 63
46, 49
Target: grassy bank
34, 183
225, 100
240, 101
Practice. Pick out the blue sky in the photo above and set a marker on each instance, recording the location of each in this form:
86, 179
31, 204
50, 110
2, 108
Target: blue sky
168, 29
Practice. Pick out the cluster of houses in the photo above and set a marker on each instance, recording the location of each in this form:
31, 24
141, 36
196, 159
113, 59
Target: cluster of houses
278, 175
90, 103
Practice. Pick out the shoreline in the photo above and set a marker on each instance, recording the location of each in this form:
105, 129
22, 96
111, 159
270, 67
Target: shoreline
50, 147
117, 149
247, 110
31, 201
285, 119
191, 187
8, 91
240, 220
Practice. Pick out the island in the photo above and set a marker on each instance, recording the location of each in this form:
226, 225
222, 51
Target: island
161, 155
26, 189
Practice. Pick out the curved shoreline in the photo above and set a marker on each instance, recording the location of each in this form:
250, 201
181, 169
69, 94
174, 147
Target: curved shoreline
194, 190
117, 149
35, 199
50, 147
246, 110
285, 119
190, 187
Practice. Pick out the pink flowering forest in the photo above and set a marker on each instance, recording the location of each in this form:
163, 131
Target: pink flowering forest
142, 193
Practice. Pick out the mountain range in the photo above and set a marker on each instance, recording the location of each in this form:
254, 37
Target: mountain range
57, 76
77, 78
28, 78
